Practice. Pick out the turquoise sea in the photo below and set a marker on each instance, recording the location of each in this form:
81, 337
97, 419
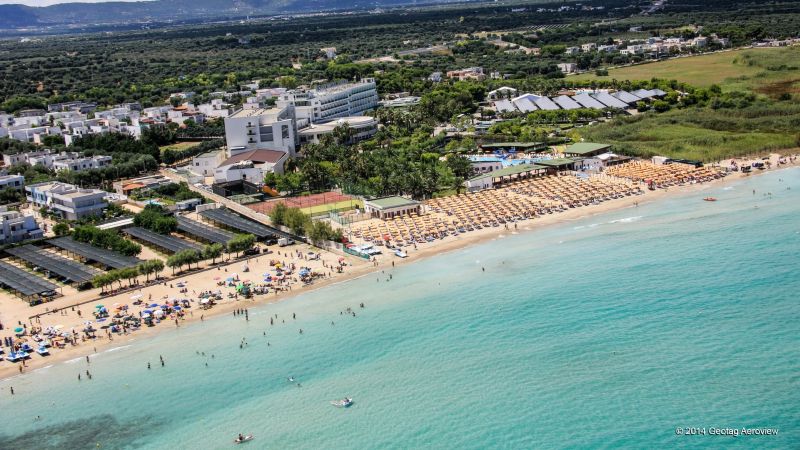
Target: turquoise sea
607, 332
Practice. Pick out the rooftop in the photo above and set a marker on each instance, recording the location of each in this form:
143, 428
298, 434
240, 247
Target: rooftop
508, 171
391, 202
556, 162
586, 148
256, 112
256, 156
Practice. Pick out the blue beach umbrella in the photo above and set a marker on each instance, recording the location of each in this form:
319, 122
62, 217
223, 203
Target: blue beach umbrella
19, 330
153, 305
101, 319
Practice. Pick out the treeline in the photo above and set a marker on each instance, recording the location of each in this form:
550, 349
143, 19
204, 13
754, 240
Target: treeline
146, 268
156, 219
302, 224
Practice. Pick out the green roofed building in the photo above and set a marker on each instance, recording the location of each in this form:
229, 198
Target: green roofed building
511, 173
557, 164
389, 207
586, 149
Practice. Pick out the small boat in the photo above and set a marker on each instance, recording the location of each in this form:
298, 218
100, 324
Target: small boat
400, 254
343, 403
710, 199
42, 350
241, 439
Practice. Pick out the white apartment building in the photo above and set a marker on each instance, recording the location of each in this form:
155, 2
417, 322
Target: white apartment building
17, 227
79, 164
567, 67
259, 128
586, 48
215, 109
205, 163
66, 200
331, 101
251, 166
12, 181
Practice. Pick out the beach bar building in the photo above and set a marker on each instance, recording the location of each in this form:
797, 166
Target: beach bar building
586, 150
390, 207
499, 177
555, 165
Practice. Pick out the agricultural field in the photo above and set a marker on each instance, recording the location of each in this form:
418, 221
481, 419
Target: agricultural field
737, 69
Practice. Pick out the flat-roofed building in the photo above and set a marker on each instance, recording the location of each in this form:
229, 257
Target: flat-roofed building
17, 227
361, 128
249, 129
390, 207
66, 200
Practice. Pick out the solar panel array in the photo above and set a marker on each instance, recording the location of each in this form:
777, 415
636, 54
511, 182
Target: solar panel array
90, 252
204, 231
59, 265
236, 221
164, 241
23, 282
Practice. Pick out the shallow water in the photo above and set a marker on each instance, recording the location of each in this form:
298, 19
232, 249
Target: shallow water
607, 332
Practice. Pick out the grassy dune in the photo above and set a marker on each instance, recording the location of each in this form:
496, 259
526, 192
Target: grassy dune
771, 123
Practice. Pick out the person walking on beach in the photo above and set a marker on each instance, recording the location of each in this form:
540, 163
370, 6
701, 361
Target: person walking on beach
79, 377
12, 389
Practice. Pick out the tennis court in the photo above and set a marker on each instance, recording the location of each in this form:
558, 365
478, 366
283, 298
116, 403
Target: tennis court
312, 204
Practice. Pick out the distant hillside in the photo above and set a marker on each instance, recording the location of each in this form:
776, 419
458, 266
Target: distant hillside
15, 16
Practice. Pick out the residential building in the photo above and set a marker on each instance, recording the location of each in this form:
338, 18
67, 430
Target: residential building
361, 128
590, 47
274, 128
67, 201
10, 159
250, 166
125, 187
637, 49
470, 73
572, 50
567, 67
700, 42
607, 48
79, 164
12, 181
17, 227
205, 163
330, 52
435, 77
216, 109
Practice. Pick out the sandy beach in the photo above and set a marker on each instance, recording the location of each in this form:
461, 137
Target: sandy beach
14, 311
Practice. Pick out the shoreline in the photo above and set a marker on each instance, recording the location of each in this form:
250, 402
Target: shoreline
387, 261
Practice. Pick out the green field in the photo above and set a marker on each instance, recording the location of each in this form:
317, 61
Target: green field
748, 68
180, 145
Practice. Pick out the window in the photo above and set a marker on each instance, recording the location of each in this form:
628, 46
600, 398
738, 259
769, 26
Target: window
285, 132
